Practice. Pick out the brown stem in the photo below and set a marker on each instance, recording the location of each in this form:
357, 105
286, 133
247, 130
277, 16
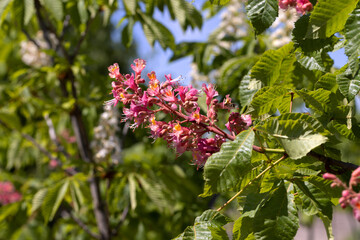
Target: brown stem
291, 101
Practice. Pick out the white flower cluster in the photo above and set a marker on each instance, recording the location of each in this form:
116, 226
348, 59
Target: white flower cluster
33, 55
282, 28
106, 142
233, 23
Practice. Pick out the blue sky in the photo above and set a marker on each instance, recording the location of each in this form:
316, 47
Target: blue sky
158, 59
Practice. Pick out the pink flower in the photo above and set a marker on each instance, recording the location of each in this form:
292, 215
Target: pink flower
181, 90
238, 123
114, 72
168, 95
210, 93
130, 82
8, 194
195, 116
139, 66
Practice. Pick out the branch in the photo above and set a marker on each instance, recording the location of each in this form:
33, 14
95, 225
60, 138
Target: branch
32, 140
53, 137
330, 162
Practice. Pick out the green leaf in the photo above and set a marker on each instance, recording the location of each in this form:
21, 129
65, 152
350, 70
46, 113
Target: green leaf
155, 31
262, 13
329, 17
243, 229
341, 129
268, 68
38, 200
352, 35
55, 7
277, 217
298, 136
267, 99
29, 8
247, 89
313, 199
308, 44
207, 226
327, 82
223, 170
186, 14
130, 6
127, 33
82, 11
232, 71
349, 86
132, 189
219, 2
320, 100
315, 61
53, 199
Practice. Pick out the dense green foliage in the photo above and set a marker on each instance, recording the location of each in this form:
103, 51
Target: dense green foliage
53, 60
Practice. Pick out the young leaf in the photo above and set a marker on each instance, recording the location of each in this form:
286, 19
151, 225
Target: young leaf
327, 82
219, 2
82, 11
224, 169
132, 189
262, 13
329, 17
186, 14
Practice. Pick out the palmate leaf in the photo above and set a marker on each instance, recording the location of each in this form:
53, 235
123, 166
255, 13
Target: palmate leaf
349, 85
329, 17
207, 226
271, 215
53, 199
268, 68
219, 2
56, 8
223, 170
185, 13
327, 82
155, 31
298, 136
247, 89
267, 99
352, 35
262, 13
320, 100
315, 61
314, 199
277, 218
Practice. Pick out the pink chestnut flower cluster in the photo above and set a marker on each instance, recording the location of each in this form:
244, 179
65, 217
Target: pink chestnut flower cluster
188, 125
301, 6
349, 196
8, 194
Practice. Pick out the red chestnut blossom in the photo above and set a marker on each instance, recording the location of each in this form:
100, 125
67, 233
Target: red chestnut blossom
302, 6
188, 125
349, 196
8, 194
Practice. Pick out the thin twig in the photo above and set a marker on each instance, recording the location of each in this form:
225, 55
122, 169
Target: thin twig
81, 224
53, 137
30, 38
32, 140
251, 182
